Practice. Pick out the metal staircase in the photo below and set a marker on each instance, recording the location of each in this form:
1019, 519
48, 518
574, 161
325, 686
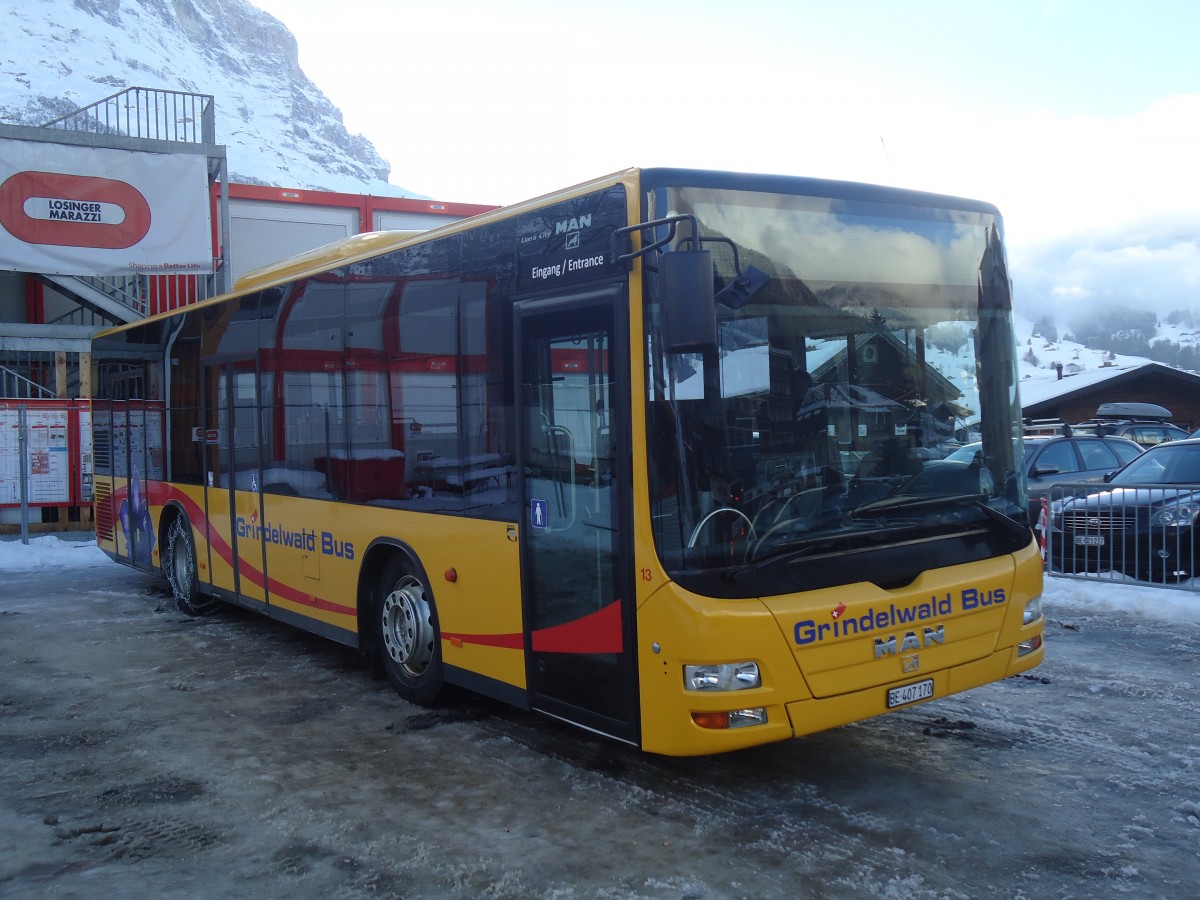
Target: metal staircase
115, 299
15, 386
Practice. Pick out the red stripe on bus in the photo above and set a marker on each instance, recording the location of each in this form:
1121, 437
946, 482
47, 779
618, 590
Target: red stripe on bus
159, 493
81, 188
504, 641
599, 632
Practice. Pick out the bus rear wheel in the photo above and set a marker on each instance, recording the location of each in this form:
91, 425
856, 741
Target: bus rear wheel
179, 565
407, 632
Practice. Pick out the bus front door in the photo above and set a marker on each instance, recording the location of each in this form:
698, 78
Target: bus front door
578, 595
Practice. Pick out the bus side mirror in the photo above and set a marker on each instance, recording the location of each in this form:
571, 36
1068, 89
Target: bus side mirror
686, 301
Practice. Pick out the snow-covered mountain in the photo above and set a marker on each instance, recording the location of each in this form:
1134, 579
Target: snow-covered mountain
1040, 355
60, 55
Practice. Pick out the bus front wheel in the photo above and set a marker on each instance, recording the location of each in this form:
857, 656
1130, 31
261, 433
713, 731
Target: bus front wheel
179, 565
407, 631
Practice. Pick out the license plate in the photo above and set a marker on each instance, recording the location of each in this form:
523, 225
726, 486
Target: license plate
1089, 540
910, 693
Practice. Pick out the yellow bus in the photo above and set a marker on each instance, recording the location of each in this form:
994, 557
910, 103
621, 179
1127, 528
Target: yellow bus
659, 455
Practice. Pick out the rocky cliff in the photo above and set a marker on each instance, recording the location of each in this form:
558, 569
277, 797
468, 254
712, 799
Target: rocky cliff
60, 55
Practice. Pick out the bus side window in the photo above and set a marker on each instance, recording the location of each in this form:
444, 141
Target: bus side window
488, 420
311, 370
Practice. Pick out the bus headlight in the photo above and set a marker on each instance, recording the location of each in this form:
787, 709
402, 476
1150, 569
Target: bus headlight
1033, 611
722, 677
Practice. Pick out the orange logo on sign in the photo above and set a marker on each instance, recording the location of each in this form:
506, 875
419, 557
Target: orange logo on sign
70, 210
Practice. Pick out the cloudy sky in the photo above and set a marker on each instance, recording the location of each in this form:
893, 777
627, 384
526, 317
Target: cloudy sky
1080, 120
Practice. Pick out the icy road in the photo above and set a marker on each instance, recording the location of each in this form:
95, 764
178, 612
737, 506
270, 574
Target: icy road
147, 754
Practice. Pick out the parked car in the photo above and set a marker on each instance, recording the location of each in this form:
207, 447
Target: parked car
1142, 523
1143, 423
1146, 434
1054, 460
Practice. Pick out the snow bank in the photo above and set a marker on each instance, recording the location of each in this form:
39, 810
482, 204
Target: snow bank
1109, 593
46, 551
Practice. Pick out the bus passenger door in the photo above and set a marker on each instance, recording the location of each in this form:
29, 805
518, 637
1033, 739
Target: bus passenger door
575, 550
234, 494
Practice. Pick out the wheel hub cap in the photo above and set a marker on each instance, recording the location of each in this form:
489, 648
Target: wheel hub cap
407, 629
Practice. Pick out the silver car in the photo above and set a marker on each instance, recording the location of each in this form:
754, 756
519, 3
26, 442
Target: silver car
1057, 460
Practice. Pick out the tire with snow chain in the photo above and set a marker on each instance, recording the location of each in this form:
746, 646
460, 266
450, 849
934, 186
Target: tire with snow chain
179, 566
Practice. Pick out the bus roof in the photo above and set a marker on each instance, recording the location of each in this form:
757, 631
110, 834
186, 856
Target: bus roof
327, 256
373, 243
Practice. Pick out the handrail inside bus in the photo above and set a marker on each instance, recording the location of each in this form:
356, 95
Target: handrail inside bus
566, 502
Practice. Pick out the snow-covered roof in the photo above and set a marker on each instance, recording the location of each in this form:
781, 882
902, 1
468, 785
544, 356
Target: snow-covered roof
1039, 390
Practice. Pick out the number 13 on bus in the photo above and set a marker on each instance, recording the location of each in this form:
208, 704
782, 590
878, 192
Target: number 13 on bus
659, 455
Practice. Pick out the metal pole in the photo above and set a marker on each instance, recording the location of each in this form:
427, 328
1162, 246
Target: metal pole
24, 473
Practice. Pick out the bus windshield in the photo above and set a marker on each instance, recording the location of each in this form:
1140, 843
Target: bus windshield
817, 422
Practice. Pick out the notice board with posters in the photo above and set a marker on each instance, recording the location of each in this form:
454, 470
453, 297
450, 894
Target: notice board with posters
58, 466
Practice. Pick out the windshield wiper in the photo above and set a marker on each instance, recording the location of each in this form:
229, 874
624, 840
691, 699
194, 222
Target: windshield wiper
978, 501
996, 516
842, 541
859, 539
907, 501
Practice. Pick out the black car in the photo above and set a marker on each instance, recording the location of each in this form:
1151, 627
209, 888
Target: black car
1141, 524
1055, 460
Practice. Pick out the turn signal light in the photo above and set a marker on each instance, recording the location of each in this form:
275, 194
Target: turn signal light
734, 718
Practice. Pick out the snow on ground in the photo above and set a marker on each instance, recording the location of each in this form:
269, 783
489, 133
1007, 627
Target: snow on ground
47, 551
1097, 594
1108, 592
